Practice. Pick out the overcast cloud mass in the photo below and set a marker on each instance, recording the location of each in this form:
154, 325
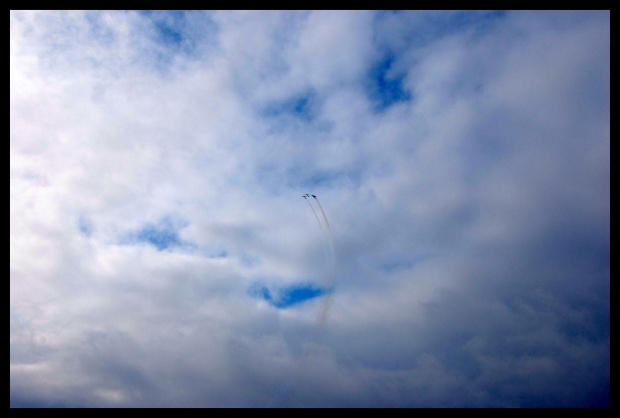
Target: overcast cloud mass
162, 254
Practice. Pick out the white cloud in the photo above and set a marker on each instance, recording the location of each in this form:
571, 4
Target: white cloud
471, 221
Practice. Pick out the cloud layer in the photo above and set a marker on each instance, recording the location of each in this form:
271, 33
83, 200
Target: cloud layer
157, 165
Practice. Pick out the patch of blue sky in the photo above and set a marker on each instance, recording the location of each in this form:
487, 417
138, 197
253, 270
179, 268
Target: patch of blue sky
162, 235
160, 238
385, 89
168, 26
385, 79
208, 251
286, 296
172, 34
259, 291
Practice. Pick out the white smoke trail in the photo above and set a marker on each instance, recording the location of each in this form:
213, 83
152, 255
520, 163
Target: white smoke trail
331, 237
325, 217
315, 215
322, 316
325, 309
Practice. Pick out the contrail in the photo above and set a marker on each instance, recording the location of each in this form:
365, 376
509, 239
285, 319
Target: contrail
331, 236
327, 237
325, 217
322, 316
326, 307
315, 215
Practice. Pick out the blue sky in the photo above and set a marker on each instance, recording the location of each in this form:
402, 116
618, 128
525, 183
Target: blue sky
288, 296
162, 254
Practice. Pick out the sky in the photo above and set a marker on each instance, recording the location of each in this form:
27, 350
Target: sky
162, 254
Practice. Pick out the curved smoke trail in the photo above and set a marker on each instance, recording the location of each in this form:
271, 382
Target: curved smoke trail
315, 215
331, 279
331, 236
322, 316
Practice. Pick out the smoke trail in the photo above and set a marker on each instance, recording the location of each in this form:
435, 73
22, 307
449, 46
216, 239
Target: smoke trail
322, 316
325, 309
326, 221
328, 238
331, 236
315, 215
